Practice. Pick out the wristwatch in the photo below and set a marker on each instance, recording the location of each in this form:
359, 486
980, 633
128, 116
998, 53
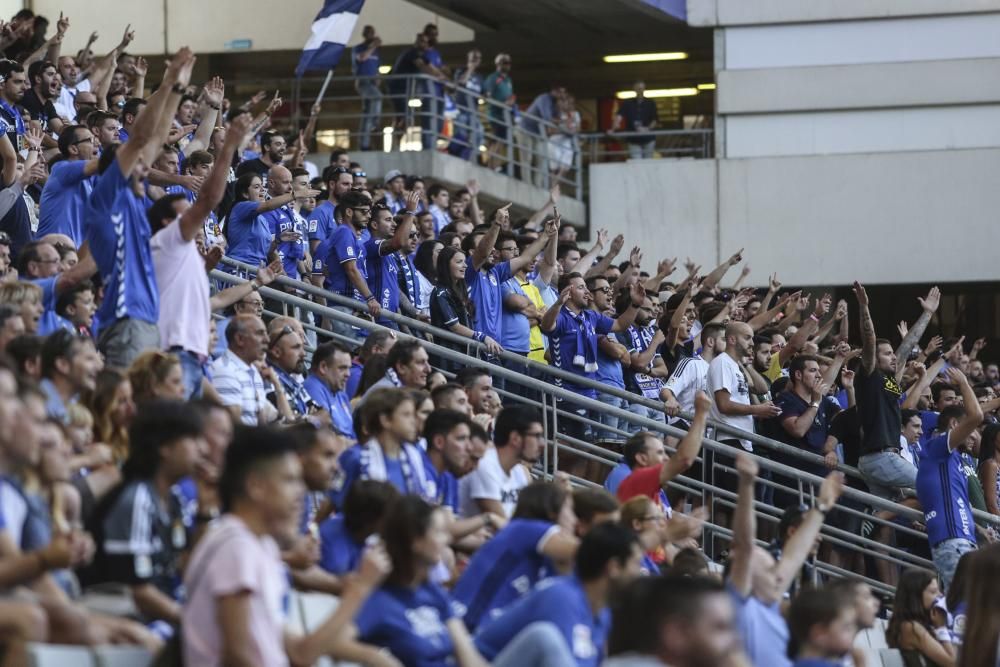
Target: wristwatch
814, 404
254, 285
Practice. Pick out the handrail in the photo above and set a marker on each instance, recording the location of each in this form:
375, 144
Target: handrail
546, 368
559, 392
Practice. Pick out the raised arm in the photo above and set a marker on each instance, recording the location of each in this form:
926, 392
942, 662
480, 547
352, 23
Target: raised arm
763, 318
545, 239
744, 526
690, 444
663, 269
547, 265
800, 544
805, 330
142, 140
603, 264
209, 110
929, 304
482, 251
867, 330
215, 185
913, 393
973, 411
719, 272
548, 322
625, 319
587, 261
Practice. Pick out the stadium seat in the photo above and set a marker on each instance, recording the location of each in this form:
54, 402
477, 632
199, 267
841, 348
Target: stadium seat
58, 655
876, 636
295, 622
872, 657
122, 656
316, 608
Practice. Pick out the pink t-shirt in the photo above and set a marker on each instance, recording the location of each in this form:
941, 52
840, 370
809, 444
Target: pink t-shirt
185, 309
237, 560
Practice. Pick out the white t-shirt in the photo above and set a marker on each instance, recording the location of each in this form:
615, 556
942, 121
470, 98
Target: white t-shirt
725, 373
489, 482
185, 305
689, 377
230, 559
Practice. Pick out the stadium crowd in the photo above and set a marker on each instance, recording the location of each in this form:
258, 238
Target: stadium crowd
197, 469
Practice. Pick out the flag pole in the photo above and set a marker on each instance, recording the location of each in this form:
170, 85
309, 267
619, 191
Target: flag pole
326, 83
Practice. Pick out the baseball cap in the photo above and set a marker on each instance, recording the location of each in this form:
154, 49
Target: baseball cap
392, 175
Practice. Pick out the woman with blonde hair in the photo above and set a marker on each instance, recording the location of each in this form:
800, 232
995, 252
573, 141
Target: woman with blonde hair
27, 297
111, 405
156, 374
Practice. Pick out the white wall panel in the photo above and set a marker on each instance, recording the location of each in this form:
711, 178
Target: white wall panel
820, 133
741, 12
853, 42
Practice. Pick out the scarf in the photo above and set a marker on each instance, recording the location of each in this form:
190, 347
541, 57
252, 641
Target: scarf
410, 460
294, 391
407, 281
586, 343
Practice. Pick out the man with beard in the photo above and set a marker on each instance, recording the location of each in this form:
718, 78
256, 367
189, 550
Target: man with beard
573, 330
646, 372
485, 277
272, 153
388, 237
323, 219
70, 364
39, 263
286, 355
729, 387
15, 82
342, 258
39, 100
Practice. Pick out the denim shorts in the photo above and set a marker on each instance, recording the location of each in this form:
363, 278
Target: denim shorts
886, 473
946, 556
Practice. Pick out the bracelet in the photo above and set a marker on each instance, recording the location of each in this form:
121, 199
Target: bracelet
478, 336
813, 317
822, 510
216, 107
371, 297
177, 88
637, 305
254, 285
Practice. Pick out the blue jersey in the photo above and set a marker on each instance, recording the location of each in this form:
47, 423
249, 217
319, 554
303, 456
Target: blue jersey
516, 329
49, 320
341, 247
411, 623
283, 219
636, 340
119, 233
321, 221
573, 345
504, 569
407, 473
336, 403
445, 486
943, 491
338, 552
354, 379
616, 477
383, 276
486, 293
249, 234
64, 200
562, 602
609, 369
367, 67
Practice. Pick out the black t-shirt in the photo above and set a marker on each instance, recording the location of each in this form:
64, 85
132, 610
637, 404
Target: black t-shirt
878, 409
39, 110
636, 112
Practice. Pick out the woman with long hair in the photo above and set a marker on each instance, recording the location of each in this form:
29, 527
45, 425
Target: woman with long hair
451, 307
156, 374
538, 540
982, 611
247, 230
416, 537
919, 625
989, 467
425, 262
112, 408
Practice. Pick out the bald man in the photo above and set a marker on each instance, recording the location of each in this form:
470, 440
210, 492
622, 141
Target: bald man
284, 218
729, 386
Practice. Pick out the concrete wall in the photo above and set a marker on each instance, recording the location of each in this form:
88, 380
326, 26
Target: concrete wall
206, 25
743, 12
817, 220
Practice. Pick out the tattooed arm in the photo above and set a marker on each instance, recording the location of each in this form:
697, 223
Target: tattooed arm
867, 330
930, 305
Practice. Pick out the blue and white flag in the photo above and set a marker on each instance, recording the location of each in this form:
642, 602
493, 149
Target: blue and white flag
330, 31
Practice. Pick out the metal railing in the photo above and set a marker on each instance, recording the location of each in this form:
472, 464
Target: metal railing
399, 112
787, 479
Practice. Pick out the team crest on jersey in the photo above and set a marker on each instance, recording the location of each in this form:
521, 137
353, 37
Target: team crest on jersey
313, 225
350, 251
493, 280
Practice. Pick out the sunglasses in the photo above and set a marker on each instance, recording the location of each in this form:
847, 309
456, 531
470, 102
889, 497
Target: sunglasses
285, 330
